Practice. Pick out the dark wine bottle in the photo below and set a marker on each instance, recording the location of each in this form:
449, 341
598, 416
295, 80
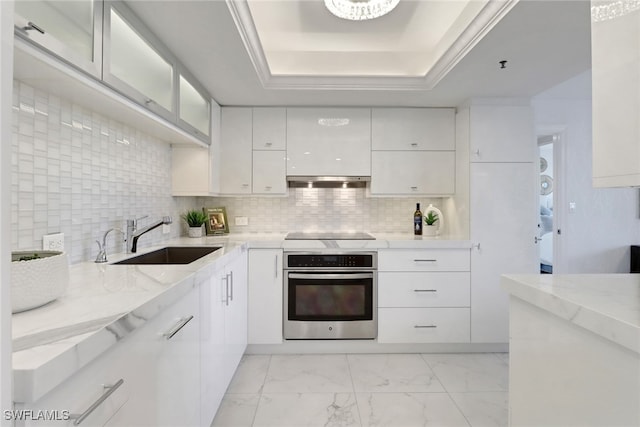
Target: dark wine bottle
417, 221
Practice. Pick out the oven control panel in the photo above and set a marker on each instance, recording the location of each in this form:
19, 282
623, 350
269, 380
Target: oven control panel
346, 261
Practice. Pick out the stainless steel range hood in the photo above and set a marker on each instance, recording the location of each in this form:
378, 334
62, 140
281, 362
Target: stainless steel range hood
328, 181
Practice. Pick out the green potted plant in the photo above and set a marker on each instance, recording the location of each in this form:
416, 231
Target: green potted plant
195, 219
430, 220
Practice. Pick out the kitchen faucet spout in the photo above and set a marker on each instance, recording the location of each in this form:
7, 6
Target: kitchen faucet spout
133, 234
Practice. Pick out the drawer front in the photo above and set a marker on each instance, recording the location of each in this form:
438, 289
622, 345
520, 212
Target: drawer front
424, 325
420, 289
424, 260
84, 389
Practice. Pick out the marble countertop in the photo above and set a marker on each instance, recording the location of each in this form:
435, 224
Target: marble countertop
605, 304
105, 302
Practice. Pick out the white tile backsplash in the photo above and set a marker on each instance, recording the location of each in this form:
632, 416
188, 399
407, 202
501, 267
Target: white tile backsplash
80, 173
321, 209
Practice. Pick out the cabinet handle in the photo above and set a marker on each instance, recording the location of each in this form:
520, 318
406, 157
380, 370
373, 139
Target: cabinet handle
425, 290
414, 144
268, 144
425, 326
226, 289
425, 260
32, 26
231, 286
275, 267
476, 151
79, 418
267, 188
178, 326
414, 188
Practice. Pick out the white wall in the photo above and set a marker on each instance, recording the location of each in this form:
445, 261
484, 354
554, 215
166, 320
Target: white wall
596, 237
80, 173
6, 77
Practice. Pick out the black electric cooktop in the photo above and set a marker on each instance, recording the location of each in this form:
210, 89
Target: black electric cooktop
329, 236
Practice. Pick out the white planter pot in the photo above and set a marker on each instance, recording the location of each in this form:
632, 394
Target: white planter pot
429, 230
196, 231
36, 282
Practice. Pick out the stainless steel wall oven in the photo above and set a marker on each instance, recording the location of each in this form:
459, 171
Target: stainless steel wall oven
330, 295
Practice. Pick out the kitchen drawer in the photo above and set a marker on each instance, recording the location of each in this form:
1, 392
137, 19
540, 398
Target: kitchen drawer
83, 389
424, 325
424, 260
423, 289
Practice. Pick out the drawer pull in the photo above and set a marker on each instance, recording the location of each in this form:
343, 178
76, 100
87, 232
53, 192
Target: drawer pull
424, 326
425, 260
181, 324
78, 418
414, 144
425, 290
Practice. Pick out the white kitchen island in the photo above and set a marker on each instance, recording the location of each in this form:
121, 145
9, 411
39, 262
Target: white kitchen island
574, 350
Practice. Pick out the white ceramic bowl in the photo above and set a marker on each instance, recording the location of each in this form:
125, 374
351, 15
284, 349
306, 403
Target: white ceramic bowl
35, 282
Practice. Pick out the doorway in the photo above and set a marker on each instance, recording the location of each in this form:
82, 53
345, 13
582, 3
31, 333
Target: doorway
546, 203
551, 149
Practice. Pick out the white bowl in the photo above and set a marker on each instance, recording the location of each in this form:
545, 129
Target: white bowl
36, 282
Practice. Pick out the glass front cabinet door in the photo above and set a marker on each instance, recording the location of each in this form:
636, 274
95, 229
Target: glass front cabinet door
71, 30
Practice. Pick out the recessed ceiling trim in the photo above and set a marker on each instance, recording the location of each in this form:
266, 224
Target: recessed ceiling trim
488, 17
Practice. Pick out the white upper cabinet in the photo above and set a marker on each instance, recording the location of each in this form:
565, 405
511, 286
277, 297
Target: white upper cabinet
413, 129
235, 150
269, 168
72, 30
194, 108
501, 133
418, 173
329, 141
615, 59
269, 128
134, 66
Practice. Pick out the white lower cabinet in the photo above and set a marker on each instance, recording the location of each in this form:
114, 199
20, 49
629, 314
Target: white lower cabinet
424, 296
265, 296
165, 358
505, 227
423, 325
223, 332
147, 378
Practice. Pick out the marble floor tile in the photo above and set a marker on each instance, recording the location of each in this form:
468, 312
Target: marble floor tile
469, 372
307, 409
392, 373
409, 410
236, 410
484, 409
308, 373
250, 375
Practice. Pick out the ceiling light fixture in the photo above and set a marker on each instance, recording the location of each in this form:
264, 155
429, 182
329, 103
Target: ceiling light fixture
360, 10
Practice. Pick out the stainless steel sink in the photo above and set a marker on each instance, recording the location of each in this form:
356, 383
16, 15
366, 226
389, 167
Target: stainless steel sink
171, 255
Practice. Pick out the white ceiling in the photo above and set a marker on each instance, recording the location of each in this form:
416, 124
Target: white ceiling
544, 41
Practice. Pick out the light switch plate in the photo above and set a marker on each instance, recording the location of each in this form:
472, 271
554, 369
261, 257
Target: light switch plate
242, 220
53, 242
166, 228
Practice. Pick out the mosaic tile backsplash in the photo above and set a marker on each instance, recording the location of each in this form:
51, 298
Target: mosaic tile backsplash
79, 173
321, 209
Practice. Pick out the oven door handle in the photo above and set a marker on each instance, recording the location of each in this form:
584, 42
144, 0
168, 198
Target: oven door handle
329, 276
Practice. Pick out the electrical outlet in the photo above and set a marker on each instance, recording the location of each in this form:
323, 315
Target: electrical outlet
166, 228
242, 220
53, 242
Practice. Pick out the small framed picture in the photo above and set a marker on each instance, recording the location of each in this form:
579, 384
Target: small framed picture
216, 221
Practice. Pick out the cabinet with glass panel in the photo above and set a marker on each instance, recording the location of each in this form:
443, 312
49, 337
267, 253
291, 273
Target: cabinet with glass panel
108, 41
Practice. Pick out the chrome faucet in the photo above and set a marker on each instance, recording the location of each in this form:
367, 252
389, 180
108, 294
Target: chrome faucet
102, 248
133, 234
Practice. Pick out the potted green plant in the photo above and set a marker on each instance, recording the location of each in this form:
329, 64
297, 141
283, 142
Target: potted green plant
430, 220
195, 219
